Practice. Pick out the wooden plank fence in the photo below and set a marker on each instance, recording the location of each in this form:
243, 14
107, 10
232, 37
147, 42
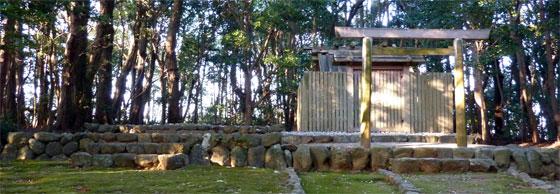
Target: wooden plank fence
401, 102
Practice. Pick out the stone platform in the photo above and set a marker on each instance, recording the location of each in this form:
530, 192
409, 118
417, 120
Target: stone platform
264, 147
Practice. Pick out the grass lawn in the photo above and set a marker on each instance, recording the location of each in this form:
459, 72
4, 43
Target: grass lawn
469, 183
58, 177
331, 182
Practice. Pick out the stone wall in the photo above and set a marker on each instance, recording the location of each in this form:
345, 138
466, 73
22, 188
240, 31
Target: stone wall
270, 150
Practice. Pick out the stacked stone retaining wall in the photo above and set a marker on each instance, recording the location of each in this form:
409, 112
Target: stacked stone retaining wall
270, 150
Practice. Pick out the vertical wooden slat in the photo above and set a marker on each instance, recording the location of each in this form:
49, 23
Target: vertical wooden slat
298, 107
321, 124
349, 78
406, 102
307, 108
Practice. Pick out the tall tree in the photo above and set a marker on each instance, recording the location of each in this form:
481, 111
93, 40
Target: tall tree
7, 60
101, 57
174, 110
551, 57
526, 97
73, 107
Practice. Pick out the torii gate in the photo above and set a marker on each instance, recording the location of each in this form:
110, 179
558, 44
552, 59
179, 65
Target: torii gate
367, 34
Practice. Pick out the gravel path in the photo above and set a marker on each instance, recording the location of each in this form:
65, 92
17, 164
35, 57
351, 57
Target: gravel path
395, 179
294, 181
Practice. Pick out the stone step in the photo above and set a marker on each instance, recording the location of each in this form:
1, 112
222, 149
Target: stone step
139, 148
130, 160
329, 137
436, 165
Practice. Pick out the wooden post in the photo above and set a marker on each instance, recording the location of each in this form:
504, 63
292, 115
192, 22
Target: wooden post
460, 121
365, 98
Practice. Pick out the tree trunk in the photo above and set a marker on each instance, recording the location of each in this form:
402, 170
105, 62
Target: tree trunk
479, 92
71, 111
526, 98
498, 100
20, 81
42, 61
353, 11
54, 77
129, 63
550, 78
174, 111
138, 89
102, 57
7, 84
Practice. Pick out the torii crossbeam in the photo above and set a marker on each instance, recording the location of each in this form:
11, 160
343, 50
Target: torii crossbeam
367, 34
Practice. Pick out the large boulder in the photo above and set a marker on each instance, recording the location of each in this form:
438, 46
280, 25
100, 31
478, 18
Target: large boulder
84, 142
465, 153
238, 157
93, 148
270, 139
53, 148
172, 161
135, 148
405, 165
102, 160
340, 159
483, 153
255, 156
502, 157
144, 137
274, 158
249, 140
81, 159
220, 155
10, 152
199, 156
124, 160
444, 152
302, 159
380, 157
320, 156
482, 165
46, 136
151, 148
17, 138
70, 148
454, 165
550, 155
173, 148
430, 165
25, 153
66, 137
521, 160
37, 147
126, 137
535, 162
108, 137
165, 138
111, 148
360, 158
288, 157
425, 152
403, 152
